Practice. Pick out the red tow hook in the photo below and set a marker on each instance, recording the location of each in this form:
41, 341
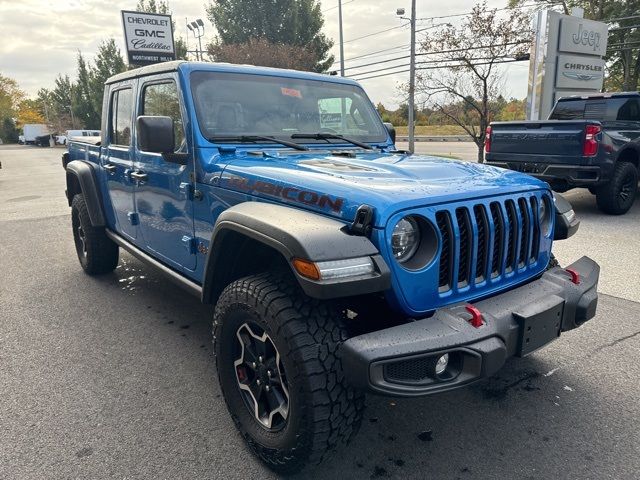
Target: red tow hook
575, 276
476, 316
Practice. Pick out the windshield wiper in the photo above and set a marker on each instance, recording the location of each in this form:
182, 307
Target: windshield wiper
327, 136
255, 138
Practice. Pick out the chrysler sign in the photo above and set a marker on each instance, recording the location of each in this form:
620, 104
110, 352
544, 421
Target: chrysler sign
149, 37
579, 72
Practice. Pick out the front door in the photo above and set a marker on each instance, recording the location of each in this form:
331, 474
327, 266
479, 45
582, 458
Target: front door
163, 191
117, 161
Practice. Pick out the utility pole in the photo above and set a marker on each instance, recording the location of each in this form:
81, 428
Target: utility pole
412, 78
412, 72
341, 39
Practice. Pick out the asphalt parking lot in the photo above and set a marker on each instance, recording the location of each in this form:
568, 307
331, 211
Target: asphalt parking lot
113, 377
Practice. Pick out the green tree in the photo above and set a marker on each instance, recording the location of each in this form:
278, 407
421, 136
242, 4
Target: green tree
83, 107
91, 79
8, 130
162, 7
280, 22
10, 97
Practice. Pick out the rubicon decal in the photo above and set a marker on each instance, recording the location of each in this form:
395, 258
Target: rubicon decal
292, 194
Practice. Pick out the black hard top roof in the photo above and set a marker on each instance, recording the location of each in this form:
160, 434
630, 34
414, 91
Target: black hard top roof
148, 70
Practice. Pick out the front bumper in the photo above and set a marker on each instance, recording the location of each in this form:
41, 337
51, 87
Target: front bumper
400, 360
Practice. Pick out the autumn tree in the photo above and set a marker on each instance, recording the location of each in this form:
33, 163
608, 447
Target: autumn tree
293, 23
29, 111
162, 7
259, 51
466, 80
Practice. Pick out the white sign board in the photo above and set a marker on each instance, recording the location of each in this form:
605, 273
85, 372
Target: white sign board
578, 35
148, 37
579, 72
566, 59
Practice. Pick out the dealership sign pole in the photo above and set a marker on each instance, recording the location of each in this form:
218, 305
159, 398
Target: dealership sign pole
148, 37
567, 58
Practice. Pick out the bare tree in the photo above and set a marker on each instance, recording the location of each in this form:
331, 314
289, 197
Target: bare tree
462, 77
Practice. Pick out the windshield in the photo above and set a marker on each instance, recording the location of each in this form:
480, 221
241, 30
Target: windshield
232, 105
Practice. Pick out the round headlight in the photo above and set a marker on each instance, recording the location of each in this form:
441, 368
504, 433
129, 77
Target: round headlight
544, 216
405, 239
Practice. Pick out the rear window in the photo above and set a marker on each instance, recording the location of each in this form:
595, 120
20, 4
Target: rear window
603, 109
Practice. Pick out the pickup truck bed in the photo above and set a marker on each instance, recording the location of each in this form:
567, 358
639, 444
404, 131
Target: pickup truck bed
589, 142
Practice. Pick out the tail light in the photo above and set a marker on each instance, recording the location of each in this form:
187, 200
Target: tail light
590, 146
487, 140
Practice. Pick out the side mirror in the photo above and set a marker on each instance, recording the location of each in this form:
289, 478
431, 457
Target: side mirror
155, 134
391, 130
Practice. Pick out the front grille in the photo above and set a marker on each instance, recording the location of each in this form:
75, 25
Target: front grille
487, 240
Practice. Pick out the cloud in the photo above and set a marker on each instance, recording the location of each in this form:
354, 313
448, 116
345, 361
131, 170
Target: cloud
41, 38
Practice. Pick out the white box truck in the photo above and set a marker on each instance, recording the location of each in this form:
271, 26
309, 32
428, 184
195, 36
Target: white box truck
33, 130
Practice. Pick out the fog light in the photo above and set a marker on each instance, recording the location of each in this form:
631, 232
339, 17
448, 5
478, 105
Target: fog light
441, 364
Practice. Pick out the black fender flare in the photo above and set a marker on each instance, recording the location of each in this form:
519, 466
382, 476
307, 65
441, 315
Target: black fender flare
81, 178
565, 224
294, 233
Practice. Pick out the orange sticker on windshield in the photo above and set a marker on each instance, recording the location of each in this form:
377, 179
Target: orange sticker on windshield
291, 92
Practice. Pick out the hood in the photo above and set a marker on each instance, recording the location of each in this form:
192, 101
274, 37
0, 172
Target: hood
337, 185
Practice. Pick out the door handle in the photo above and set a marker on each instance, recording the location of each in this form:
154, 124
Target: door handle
139, 176
110, 168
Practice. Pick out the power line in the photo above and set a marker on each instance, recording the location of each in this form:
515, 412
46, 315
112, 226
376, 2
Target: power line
427, 62
333, 8
433, 68
370, 54
454, 50
611, 20
376, 33
496, 9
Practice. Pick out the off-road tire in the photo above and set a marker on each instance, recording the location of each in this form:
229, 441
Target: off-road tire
97, 254
617, 196
553, 262
324, 411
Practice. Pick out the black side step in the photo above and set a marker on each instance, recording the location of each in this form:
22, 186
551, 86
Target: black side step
174, 276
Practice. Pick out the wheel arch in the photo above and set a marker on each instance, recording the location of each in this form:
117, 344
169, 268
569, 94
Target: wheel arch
81, 179
629, 154
254, 237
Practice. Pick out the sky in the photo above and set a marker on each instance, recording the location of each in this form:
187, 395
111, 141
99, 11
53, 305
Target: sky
41, 38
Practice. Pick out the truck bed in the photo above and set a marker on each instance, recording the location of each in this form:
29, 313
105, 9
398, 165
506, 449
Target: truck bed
550, 141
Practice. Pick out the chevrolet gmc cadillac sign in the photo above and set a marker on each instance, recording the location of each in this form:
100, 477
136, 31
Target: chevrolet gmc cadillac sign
149, 37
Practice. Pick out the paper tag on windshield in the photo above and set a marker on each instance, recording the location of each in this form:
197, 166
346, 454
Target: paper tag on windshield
291, 92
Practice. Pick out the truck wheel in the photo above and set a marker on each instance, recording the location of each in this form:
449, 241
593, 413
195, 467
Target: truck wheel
97, 253
277, 356
617, 196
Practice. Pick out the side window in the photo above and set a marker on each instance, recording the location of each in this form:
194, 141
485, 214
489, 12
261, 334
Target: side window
162, 99
121, 110
629, 111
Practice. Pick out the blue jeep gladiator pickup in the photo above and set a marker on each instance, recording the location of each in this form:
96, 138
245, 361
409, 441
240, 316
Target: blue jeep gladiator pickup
337, 264
590, 141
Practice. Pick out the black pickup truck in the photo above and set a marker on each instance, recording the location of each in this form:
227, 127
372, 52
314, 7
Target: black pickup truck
589, 141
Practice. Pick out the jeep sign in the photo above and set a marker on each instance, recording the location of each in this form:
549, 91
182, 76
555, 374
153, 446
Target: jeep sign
149, 37
566, 59
578, 35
